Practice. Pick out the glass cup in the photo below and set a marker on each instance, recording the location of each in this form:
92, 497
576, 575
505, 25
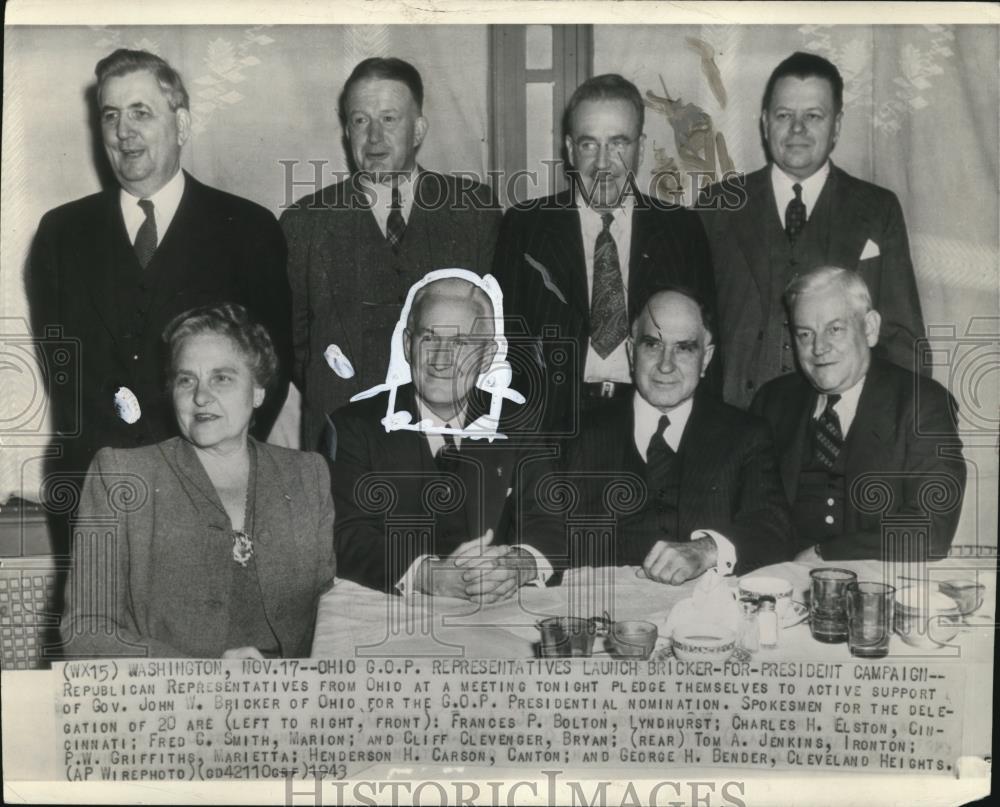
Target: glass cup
869, 618
566, 636
827, 604
633, 638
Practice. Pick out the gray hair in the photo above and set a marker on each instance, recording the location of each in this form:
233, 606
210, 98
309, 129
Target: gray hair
847, 280
124, 61
230, 320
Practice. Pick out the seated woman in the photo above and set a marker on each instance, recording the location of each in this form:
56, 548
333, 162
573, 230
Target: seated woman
209, 544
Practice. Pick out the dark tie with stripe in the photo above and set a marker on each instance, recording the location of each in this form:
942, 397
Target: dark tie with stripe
828, 439
608, 314
395, 226
795, 214
145, 239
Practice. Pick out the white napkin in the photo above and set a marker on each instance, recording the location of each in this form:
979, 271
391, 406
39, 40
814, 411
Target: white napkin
712, 602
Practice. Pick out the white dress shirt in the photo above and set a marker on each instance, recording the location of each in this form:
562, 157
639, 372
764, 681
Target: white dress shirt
615, 366
846, 408
165, 203
782, 184
380, 197
437, 442
646, 419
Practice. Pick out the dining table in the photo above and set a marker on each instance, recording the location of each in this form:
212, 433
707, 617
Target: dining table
358, 622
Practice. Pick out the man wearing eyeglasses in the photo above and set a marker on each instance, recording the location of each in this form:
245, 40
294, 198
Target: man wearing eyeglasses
573, 265
356, 247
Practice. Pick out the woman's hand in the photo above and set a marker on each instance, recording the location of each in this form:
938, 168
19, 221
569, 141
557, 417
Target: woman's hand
242, 652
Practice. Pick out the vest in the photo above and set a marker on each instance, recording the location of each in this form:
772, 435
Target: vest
818, 510
786, 260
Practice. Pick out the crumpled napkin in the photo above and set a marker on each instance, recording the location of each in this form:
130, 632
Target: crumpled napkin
712, 602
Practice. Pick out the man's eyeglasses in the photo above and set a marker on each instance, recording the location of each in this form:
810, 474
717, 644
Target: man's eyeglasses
590, 147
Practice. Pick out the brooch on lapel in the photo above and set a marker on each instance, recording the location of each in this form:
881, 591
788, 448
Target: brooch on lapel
242, 548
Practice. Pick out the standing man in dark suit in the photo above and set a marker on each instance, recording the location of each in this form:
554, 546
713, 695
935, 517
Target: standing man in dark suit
355, 247
710, 495
798, 213
575, 265
426, 507
112, 269
861, 442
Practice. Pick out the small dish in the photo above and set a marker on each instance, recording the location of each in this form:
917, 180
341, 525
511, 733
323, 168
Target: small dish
797, 613
925, 618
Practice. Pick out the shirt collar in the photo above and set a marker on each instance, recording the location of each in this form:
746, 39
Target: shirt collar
846, 407
647, 418
382, 190
165, 201
621, 214
435, 439
811, 186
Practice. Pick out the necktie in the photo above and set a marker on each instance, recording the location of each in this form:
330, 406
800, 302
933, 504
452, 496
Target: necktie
395, 226
608, 315
145, 239
827, 436
659, 454
795, 214
445, 458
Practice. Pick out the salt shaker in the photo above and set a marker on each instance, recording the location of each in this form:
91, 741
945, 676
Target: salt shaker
749, 630
768, 620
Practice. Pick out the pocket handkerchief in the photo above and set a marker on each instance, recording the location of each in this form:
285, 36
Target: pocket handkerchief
871, 250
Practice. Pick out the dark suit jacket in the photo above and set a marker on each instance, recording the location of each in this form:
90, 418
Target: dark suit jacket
737, 215
170, 554
219, 248
903, 438
389, 483
541, 268
348, 287
728, 482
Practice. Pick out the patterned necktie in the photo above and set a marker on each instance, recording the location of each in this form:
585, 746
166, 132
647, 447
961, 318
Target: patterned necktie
828, 439
145, 239
608, 315
395, 226
659, 454
795, 214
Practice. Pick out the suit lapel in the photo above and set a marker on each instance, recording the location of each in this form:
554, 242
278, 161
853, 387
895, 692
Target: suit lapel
563, 240
751, 226
272, 517
874, 422
790, 442
110, 247
847, 228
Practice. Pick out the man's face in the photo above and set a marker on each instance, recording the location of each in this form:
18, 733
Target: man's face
142, 135
669, 350
384, 126
801, 125
450, 344
833, 340
604, 146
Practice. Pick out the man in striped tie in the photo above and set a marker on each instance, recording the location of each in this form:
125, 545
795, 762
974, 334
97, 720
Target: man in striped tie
869, 452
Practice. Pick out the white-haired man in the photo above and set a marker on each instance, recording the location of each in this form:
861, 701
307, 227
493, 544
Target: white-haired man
463, 540
850, 424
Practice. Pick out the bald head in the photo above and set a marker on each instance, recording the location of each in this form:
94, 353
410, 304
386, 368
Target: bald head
452, 293
670, 349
